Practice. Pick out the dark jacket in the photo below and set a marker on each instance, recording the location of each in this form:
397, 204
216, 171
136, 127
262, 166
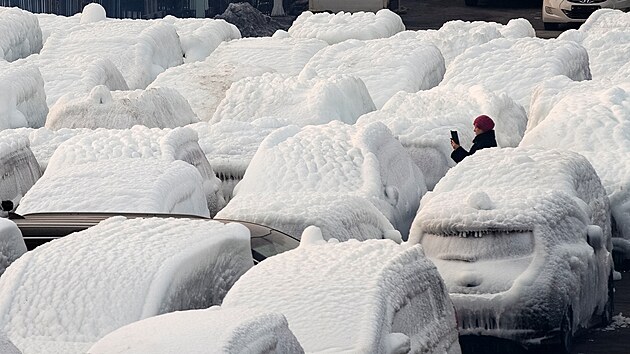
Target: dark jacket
481, 141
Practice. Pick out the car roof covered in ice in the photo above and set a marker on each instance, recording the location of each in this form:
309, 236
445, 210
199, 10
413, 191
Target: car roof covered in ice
21, 34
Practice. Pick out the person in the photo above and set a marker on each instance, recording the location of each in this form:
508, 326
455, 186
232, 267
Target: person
483, 126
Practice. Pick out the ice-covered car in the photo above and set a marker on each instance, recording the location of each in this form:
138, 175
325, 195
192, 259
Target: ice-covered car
522, 238
556, 12
19, 169
373, 296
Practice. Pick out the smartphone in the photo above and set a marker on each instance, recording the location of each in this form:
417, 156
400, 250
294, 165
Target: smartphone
454, 136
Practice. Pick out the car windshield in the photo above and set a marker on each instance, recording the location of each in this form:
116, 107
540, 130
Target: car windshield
476, 246
271, 245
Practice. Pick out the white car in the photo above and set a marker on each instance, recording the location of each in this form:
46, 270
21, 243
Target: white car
556, 12
522, 239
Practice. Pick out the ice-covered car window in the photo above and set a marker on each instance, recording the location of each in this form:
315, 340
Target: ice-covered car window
478, 245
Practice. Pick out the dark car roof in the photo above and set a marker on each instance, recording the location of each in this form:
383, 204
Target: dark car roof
39, 228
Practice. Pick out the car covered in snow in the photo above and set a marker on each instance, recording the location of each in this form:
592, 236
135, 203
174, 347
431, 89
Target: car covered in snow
19, 169
522, 238
556, 12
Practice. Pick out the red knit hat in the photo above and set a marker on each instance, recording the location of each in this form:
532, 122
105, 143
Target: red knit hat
484, 123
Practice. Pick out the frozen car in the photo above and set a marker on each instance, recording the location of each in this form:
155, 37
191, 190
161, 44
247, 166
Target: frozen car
556, 12
19, 169
522, 239
65, 295
373, 296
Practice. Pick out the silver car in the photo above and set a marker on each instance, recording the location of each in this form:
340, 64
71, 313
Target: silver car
556, 12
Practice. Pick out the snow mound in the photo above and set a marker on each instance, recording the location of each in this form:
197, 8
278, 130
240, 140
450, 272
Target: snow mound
516, 66
93, 12
298, 101
118, 272
204, 84
154, 108
140, 50
119, 185
336, 28
22, 96
225, 331
422, 120
18, 168
283, 55
249, 21
454, 37
21, 35
200, 37
11, 245
230, 145
333, 161
594, 124
385, 65
140, 142
369, 289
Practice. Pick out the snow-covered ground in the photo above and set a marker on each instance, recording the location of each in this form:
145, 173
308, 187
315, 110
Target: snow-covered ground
96, 282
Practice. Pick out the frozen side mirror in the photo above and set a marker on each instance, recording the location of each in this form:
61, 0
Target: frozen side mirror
595, 237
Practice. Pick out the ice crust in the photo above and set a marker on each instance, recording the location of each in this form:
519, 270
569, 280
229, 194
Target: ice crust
22, 96
18, 168
11, 246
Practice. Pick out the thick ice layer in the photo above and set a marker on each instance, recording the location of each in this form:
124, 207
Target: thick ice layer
119, 185
140, 50
604, 20
141, 142
115, 273
11, 245
516, 66
283, 55
385, 65
422, 121
454, 37
18, 168
21, 35
22, 96
507, 229
295, 100
213, 330
204, 84
199, 37
336, 28
333, 160
594, 123
101, 108
230, 145
373, 296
